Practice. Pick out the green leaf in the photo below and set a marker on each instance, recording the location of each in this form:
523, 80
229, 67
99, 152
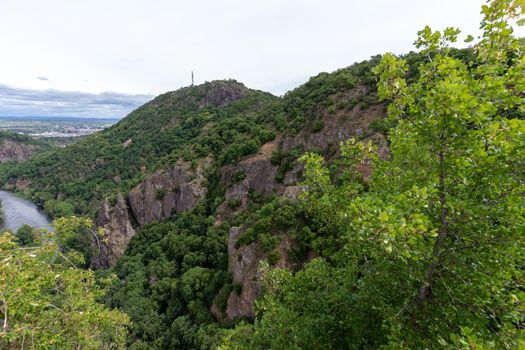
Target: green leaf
469, 38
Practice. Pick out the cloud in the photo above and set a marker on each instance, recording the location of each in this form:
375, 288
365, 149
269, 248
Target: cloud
43, 78
30, 102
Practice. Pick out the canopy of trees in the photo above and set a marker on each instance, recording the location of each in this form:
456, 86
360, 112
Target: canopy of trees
47, 302
429, 251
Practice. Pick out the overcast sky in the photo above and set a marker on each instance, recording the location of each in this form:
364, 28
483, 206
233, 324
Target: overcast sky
106, 57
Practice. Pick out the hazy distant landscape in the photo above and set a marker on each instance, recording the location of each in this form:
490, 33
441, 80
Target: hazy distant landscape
54, 127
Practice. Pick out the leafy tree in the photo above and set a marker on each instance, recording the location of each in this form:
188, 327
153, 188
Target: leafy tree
25, 235
430, 249
76, 234
48, 303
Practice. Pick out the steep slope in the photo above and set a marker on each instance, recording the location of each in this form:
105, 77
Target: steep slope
197, 269
186, 193
117, 158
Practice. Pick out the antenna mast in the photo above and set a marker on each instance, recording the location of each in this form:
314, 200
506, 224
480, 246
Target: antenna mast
192, 78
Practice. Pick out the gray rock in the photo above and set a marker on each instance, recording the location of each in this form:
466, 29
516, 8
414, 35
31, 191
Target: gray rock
117, 232
168, 191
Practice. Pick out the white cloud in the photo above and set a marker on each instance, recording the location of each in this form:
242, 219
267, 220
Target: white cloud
30, 102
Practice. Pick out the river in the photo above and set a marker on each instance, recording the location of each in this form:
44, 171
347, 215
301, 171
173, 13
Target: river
18, 212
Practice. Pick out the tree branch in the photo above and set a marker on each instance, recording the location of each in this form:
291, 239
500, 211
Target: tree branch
437, 251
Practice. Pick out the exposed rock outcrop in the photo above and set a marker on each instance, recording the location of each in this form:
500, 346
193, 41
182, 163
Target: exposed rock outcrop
259, 176
337, 127
117, 232
221, 93
169, 191
216, 93
243, 263
19, 152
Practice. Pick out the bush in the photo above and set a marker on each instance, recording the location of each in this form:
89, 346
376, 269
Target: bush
25, 235
382, 125
274, 257
234, 203
238, 176
221, 299
159, 194
317, 126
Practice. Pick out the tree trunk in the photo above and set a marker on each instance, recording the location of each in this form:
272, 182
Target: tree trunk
437, 251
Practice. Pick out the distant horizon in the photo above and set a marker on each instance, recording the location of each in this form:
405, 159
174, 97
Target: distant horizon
48, 117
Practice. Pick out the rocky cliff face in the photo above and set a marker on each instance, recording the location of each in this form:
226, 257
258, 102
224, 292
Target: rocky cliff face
174, 189
244, 263
19, 152
222, 93
168, 191
117, 230
258, 175
165, 193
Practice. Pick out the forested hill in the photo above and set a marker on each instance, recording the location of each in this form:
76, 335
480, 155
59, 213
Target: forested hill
234, 219
76, 178
221, 119
240, 220
179, 172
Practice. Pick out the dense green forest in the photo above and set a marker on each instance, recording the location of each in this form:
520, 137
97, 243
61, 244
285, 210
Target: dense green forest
423, 249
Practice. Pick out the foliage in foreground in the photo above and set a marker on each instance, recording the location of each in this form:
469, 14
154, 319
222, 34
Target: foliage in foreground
46, 302
430, 251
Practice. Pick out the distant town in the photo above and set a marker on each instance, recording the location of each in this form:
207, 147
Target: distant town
55, 127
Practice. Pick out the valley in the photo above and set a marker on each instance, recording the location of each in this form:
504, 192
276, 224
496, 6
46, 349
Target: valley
377, 206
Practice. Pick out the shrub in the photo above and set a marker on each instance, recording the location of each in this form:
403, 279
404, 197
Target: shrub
159, 194
274, 257
382, 125
341, 104
237, 288
234, 203
317, 126
221, 299
238, 176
